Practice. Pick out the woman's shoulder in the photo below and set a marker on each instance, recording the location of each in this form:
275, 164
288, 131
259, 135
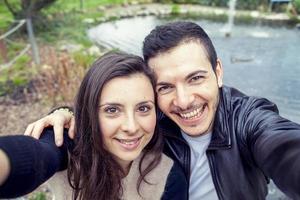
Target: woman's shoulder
166, 161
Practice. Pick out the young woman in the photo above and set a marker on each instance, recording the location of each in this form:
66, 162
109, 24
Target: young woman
117, 152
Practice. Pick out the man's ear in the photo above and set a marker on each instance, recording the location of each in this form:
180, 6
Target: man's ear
219, 73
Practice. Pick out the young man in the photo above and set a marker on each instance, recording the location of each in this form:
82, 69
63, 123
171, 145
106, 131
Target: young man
229, 144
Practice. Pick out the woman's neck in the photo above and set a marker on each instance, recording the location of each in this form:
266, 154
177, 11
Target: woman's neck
125, 166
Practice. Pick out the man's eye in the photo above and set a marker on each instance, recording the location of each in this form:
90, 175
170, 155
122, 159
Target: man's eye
144, 109
111, 110
164, 89
196, 78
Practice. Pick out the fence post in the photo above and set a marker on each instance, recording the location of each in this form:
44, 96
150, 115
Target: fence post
35, 52
81, 5
3, 50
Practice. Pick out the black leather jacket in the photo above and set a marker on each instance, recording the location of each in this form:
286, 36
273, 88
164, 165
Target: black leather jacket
250, 144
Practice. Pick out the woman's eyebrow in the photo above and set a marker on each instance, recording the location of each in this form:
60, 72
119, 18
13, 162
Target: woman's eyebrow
145, 102
110, 104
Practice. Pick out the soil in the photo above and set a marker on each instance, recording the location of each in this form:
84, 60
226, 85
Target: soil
14, 118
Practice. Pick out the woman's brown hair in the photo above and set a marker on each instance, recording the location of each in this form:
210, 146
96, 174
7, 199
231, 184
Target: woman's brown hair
92, 172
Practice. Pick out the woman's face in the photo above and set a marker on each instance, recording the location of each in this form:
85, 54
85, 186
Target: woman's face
127, 116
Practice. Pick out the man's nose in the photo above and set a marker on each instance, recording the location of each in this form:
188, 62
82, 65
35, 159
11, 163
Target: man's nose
130, 124
183, 98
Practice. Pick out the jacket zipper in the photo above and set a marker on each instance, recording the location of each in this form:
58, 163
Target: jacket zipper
210, 158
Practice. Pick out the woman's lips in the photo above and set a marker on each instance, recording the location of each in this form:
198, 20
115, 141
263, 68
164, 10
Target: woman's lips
129, 144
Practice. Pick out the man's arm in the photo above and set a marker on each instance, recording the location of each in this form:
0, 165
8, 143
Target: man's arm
275, 146
59, 118
32, 162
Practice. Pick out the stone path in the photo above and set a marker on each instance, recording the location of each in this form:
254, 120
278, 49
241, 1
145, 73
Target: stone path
119, 12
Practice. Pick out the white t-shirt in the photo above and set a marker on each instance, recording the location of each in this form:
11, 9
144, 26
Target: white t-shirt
201, 183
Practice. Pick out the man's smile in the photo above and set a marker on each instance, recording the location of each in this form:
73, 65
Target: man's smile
192, 114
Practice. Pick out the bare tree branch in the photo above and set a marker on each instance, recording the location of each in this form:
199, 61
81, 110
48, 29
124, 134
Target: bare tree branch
9, 7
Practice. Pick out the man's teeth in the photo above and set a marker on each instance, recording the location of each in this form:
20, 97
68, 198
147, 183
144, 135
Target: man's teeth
193, 114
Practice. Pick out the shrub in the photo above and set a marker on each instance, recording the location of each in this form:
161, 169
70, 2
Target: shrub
296, 4
175, 9
17, 76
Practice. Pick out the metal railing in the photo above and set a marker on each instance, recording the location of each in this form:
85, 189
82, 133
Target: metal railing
32, 44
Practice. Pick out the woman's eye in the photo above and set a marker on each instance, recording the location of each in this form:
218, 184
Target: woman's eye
144, 109
111, 110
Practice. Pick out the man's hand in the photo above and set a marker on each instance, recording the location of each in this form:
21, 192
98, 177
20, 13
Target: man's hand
59, 119
4, 167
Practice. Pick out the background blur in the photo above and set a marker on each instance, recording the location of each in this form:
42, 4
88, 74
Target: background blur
47, 45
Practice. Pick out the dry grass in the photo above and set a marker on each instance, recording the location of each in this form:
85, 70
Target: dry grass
59, 78
55, 85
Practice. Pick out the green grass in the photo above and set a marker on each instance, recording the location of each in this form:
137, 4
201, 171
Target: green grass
83, 60
39, 196
17, 75
65, 20
175, 9
18, 71
5, 18
62, 20
75, 5
58, 7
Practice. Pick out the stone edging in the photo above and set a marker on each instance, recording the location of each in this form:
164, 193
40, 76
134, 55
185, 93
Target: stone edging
164, 10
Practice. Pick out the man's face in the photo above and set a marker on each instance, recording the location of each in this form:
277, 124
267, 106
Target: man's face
187, 87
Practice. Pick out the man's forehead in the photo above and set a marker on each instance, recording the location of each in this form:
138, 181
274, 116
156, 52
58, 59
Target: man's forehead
184, 50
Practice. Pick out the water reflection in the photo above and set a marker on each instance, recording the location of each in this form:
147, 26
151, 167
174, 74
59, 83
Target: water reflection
126, 34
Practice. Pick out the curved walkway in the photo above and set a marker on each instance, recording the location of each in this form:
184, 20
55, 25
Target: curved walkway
126, 11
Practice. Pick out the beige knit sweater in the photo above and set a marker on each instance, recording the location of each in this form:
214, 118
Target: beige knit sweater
61, 189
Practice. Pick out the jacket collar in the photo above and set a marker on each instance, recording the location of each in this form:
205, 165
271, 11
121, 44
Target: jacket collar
221, 138
169, 129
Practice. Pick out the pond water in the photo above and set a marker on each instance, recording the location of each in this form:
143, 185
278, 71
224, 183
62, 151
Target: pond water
259, 60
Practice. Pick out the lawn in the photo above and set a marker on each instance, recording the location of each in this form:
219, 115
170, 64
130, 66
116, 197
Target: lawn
60, 5
61, 23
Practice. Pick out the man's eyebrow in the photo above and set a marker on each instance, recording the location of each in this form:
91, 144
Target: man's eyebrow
162, 83
190, 75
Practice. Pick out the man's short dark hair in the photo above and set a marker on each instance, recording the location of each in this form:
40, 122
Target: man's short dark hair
165, 37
